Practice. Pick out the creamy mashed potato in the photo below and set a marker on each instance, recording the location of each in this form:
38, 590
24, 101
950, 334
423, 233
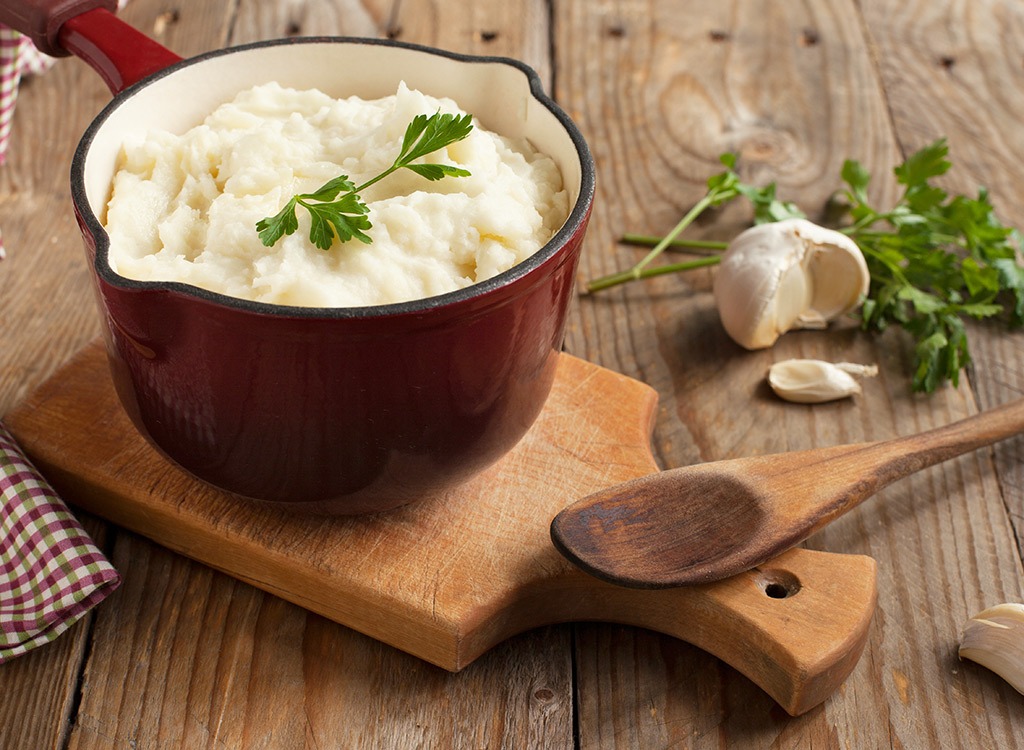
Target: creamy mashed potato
184, 207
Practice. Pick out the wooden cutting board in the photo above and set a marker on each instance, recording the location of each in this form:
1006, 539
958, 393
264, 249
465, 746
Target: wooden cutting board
448, 577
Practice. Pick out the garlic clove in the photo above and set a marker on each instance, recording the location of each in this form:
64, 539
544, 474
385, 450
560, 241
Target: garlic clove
811, 381
784, 275
994, 639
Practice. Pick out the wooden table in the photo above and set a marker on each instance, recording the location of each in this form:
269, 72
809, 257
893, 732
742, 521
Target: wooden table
182, 656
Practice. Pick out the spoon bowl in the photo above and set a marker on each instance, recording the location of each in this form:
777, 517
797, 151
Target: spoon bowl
707, 522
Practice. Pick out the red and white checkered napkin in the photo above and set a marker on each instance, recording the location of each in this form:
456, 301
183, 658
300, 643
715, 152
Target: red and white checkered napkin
51, 572
18, 57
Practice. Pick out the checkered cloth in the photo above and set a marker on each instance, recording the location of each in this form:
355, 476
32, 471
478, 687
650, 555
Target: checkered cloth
18, 57
51, 572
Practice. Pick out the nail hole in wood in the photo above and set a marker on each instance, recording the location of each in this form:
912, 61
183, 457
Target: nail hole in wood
293, 28
393, 32
488, 36
776, 591
717, 35
164, 20
809, 38
947, 61
778, 584
617, 31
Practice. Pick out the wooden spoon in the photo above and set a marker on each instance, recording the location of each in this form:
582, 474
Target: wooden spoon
706, 522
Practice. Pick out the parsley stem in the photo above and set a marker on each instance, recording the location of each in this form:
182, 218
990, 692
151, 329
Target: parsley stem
399, 164
864, 223
638, 271
692, 214
393, 168
646, 273
648, 240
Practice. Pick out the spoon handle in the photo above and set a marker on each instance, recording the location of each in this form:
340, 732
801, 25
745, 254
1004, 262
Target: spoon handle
902, 456
825, 483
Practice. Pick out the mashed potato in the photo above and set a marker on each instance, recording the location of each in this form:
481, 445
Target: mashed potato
184, 207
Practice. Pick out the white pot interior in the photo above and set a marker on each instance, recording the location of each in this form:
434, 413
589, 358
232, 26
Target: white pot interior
498, 94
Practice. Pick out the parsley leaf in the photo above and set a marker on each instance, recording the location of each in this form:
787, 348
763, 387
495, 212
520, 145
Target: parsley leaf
272, 228
437, 171
345, 217
768, 208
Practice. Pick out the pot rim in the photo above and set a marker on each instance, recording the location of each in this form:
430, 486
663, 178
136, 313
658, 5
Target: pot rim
572, 226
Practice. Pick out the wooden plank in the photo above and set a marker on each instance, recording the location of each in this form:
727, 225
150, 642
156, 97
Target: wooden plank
477, 27
194, 658
185, 657
793, 89
46, 313
255, 20
46, 303
968, 58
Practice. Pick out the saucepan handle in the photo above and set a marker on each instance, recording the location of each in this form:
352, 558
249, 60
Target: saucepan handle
89, 30
41, 20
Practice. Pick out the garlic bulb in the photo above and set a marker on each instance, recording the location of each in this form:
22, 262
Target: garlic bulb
784, 275
811, 381
995, 639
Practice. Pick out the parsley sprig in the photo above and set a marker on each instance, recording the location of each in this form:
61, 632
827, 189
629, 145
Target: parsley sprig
336, 208
935, 259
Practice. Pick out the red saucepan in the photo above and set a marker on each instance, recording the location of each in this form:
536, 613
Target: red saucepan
341, 410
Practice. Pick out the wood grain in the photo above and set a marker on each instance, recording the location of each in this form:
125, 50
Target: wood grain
46, 313
202, 660
660, 88
794, 88
968, 58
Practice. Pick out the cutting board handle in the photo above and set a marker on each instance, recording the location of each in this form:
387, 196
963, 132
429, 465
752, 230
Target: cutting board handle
795, 626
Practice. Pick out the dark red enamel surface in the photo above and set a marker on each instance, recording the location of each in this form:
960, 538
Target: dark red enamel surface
120, 54
347, 415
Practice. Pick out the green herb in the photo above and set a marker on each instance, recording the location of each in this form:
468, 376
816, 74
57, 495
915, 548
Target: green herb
335, 208
721, 188
934, 259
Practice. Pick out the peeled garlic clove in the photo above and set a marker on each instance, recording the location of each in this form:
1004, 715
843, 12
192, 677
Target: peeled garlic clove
811, 381
784, 275
995, 639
